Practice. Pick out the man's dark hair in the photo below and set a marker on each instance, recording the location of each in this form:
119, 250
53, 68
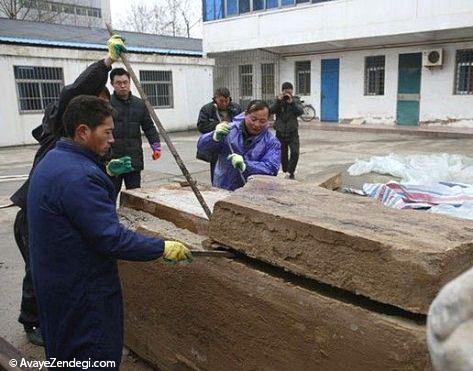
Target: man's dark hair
222, 92
285, 85
256, 105
118, 72
88, 110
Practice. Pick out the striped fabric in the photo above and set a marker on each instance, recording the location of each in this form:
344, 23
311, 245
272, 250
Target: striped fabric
409, 196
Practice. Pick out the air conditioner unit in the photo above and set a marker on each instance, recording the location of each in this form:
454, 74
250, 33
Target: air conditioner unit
432, 58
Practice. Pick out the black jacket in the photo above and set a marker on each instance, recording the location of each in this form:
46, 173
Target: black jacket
131, 117
89, 82
208, 119
286, 124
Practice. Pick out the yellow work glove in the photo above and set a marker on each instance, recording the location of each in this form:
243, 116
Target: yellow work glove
237, 161
175, 251
116, 46
221, 130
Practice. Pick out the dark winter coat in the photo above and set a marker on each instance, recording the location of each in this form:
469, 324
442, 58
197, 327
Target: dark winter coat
89, 82
132, 117
286, 124
262, 156
208, 119
75, 241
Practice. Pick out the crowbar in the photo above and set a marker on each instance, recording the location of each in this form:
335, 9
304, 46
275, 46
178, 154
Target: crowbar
212, 253
162, 131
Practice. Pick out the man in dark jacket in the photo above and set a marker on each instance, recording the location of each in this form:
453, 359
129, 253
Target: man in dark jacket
76, 239
221, 109
132, 117
92, 81
287, 108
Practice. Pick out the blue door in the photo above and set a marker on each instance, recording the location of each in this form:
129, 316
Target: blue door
408, 91
329, 90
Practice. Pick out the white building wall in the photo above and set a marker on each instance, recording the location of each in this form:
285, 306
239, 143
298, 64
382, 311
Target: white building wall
438, 104
192, 86
335, 22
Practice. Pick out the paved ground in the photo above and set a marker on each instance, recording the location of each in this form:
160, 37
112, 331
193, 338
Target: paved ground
321, 152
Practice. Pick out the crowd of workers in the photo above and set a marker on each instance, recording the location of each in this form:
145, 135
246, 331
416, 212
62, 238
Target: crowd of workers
67, 227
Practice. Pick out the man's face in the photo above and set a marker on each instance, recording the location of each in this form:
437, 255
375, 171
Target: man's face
121, 85
288, 91
222, 102
98, 140
257, 121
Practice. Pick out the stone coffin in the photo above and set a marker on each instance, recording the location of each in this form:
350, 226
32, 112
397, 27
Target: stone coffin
397, 257
224, 314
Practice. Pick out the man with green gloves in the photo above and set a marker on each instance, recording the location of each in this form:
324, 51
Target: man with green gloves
74, 264
245, 147
91, 81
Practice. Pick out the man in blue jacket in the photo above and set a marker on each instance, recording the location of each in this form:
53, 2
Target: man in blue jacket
92, 81
76, 239
245, 147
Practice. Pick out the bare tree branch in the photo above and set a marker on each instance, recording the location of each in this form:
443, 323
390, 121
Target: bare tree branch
164, 17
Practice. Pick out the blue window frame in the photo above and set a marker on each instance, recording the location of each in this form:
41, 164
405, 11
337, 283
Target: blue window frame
232, 7
244, 6
272, 4
287, 2
258, 4
212, 9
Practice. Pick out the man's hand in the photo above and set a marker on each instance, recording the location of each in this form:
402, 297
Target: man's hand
119, 166
116, 46
156, 147
237, 161
175, 251
221, 130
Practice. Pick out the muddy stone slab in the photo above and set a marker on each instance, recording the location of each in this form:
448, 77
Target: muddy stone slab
396, 257
220, 314
174, 203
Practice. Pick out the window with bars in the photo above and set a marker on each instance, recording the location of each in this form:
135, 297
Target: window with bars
158, 87
464, 72
303, 77
246, 80
374, 75
267, 81
37, 87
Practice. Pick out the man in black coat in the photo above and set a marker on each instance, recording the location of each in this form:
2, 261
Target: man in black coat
221, 109
91, 82
132, 117
287, 109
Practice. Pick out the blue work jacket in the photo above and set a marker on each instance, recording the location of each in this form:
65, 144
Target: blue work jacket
75, 241
262, 155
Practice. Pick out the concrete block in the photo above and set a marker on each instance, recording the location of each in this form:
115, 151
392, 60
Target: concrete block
174, 203
397, 257
222, 314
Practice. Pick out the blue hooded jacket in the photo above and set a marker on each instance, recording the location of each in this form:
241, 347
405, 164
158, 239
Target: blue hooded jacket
75, 241
262, 156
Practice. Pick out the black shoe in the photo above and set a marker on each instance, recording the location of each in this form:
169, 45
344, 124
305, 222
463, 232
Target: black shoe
33, 334
291, 176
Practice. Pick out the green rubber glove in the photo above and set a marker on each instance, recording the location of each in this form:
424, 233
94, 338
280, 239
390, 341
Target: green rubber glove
116, 46
119, 166
175, 251
221, 130
237, 161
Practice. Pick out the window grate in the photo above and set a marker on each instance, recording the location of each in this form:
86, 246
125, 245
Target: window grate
158, 87
246, 80
303, 77
464, 72
37, 87
267, 81
374, 75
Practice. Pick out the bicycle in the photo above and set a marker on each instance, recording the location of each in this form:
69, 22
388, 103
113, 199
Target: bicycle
309, 112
